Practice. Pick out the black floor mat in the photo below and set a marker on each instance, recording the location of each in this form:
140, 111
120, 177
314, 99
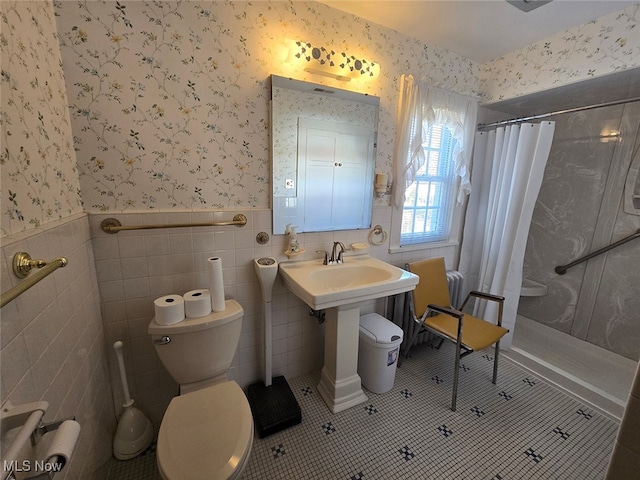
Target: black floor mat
274, 407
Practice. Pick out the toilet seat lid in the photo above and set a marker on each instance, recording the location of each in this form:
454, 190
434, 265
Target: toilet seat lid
205, 434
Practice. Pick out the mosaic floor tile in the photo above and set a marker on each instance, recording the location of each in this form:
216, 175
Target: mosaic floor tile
520, 429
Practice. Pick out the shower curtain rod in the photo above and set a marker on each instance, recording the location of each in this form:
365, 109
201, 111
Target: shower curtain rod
558, 112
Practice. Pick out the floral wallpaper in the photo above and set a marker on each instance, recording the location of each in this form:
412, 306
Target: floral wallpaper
37, 161
606, 45
169, 100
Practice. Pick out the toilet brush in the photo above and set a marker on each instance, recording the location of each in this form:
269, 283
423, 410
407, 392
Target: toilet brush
135, 432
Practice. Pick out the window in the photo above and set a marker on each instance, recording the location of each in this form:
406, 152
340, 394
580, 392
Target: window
429, 200
432, 163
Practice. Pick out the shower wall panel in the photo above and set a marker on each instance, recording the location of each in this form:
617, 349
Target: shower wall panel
579, 209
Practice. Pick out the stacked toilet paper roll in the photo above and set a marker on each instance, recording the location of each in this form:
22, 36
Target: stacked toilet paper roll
169, 309
216, 283
197, 303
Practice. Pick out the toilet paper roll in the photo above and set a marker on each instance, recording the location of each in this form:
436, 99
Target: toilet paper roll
169, 309
63, 444
197, 303
216, 283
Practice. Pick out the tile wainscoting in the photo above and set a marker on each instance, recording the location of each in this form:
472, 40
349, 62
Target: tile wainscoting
53, 343
137, 266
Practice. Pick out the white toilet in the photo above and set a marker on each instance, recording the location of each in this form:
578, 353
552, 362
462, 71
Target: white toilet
207, 431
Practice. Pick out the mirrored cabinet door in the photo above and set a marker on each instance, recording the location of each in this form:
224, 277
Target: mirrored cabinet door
323, 156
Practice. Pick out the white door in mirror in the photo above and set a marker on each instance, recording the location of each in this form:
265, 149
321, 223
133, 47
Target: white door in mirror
335, 175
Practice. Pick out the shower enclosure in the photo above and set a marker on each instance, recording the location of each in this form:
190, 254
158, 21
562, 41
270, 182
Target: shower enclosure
580, 209
587, 325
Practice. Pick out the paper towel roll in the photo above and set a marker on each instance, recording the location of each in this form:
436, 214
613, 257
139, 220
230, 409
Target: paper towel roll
216, 283
63, 443
169, 309
197, 303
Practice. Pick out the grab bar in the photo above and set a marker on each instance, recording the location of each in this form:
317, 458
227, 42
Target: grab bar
113, 225
562, 269
27, 416
22, 266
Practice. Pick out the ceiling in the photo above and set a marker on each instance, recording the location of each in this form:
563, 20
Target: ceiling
481, 30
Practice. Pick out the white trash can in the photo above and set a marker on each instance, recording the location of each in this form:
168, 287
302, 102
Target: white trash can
378, 352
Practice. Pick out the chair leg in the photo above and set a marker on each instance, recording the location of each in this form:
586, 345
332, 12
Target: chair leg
495, 362
456, 374
411, 342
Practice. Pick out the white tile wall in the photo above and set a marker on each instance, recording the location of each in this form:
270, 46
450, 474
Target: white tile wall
52, 342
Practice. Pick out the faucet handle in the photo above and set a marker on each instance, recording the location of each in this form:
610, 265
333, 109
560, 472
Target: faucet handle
326, 256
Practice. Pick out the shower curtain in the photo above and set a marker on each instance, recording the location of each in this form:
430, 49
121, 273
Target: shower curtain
508, 166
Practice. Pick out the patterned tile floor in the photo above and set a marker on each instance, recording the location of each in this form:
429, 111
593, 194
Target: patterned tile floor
521, 428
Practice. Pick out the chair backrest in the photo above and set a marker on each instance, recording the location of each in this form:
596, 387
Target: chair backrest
432, 286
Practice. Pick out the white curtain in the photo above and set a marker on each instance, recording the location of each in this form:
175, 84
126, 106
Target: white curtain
508, 166
419, 107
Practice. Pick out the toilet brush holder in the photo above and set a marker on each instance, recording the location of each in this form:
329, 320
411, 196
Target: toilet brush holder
135, 432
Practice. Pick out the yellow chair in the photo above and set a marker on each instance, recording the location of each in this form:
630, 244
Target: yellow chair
431, 308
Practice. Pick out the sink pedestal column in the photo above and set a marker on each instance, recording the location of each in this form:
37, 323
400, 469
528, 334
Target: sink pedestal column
340, 385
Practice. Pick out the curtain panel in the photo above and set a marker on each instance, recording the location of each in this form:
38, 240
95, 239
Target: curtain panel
419, 107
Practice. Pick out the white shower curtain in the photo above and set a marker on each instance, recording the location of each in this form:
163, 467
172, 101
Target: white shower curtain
508, 165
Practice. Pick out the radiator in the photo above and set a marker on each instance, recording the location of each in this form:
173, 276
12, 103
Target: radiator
454, 279
403, 318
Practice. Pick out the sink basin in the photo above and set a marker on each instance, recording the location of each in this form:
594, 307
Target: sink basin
340, 288
346, 276
360, 278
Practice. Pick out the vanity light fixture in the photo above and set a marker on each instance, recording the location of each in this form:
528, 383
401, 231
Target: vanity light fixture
338, 65
528, 5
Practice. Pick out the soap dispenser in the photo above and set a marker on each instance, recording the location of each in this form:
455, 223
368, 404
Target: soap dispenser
294, 246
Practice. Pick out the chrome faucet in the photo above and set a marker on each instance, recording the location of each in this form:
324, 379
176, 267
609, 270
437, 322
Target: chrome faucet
337, 259
326, 256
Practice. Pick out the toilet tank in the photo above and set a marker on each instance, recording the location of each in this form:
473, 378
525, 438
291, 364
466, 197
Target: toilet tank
198, 349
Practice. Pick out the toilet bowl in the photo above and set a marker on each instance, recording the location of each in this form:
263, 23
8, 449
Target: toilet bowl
206, 434
207, 431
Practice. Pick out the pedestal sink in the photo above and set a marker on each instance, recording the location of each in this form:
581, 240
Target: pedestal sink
340, 288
